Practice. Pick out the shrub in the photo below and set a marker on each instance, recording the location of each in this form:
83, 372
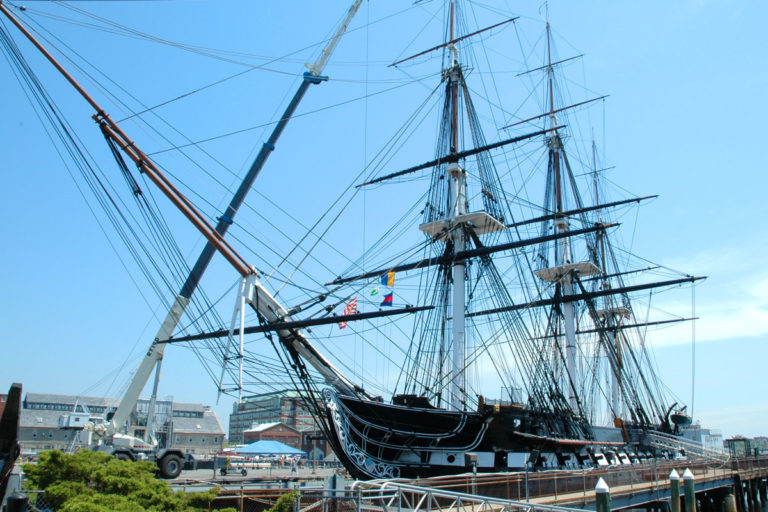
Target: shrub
284, 503
96, 482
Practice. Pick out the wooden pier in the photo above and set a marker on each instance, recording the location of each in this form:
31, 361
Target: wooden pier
738, 485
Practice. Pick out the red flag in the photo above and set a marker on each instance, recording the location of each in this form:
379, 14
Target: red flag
351, 309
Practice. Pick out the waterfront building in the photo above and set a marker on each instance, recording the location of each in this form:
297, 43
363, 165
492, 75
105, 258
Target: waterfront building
194, 428
274, 431
286, 407
760, 443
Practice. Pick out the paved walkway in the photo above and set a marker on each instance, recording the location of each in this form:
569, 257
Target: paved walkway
259, 474
581, 498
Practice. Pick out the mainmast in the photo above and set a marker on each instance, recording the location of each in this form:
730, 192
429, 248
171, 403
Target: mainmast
458, 208
455, 226
564, 270
563, 255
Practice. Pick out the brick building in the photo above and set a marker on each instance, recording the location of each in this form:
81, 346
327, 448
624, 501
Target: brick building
286, 407
274, 431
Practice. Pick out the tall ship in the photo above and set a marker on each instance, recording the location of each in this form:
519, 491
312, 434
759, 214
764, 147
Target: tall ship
491, 322
533, 299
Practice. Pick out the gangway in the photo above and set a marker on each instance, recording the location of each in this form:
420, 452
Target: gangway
393, 496
692, 449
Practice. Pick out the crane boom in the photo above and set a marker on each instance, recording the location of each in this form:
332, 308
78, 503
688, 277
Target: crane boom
215, 236
155, 353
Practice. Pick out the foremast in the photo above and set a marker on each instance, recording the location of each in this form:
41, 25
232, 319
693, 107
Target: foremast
456, 227
453, 234
459, 207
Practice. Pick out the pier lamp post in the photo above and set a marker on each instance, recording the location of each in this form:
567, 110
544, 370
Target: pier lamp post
315, 438
470, 459
530, 460
527, 496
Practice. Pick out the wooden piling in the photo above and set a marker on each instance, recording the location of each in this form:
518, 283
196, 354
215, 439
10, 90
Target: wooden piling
730, 503
752, 493
718, 500
690, 491
738, 491
709, 502
602, 496
674, 491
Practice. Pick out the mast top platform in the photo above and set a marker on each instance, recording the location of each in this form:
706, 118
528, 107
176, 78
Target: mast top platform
552, 274
480, 222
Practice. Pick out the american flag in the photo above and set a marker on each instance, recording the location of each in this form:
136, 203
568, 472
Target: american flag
351, 309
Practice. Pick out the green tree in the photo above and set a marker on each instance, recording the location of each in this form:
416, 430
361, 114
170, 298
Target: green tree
96, 482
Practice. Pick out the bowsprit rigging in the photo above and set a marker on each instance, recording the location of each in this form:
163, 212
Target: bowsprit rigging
251, 291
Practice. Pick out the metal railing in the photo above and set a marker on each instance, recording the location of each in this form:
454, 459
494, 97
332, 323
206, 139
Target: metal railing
576, 486
388, 496
505, 492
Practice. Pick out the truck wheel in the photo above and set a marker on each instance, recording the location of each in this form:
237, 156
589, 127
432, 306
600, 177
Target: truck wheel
243, 472
223, 472
122, 456
170, 466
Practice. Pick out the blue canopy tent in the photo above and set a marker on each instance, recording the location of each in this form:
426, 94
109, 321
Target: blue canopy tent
265, 447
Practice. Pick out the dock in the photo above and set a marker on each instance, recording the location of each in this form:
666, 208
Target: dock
737, 485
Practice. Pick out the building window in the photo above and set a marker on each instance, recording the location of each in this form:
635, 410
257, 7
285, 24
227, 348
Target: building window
215, 439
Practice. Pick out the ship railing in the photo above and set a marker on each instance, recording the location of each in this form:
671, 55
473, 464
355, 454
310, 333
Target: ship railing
390, 496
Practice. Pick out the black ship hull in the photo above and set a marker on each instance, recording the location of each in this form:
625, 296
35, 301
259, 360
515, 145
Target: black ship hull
379, 440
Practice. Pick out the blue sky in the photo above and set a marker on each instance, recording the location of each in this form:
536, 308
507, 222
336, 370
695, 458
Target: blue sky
683, 120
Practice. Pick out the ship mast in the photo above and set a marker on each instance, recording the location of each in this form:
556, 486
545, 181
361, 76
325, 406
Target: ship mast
563, 250
609, 310
458, 208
